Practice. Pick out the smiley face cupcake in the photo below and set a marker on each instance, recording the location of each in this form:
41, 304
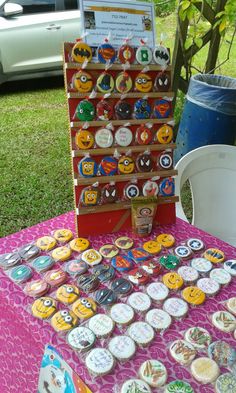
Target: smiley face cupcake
193, 295
79, 244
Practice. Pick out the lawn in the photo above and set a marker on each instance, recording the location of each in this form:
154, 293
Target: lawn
36, 182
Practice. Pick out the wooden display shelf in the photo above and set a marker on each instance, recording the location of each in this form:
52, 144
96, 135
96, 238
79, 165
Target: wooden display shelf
133, 149
120, 122
120, 205
81, 181
155, 94
114, 217
133, 67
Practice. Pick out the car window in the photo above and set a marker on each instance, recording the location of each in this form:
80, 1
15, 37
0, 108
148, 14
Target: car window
71, 4
36, 6
40, 6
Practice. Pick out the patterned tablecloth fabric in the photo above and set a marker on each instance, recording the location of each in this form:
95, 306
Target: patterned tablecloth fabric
22, 337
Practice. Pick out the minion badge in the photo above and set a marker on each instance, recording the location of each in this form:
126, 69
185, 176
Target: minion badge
43, 308
143, 83
67, 293
82, 81
84, 308
64, 320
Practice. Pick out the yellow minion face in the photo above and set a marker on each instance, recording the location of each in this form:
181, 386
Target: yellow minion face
84, 139
126, 165
152, 247
214, 255
91, 257
82, 82
79, 244
143, 83
64, 320
61, 254
63, 235
44, 307
173, 280
166, 240
46, 243
84, 308
193, 295
164, 134
67, 294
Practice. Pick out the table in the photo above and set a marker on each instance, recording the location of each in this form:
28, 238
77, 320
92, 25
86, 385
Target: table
22, 337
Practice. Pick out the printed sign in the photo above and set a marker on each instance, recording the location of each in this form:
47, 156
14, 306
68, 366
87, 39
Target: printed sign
56, 376
121, 19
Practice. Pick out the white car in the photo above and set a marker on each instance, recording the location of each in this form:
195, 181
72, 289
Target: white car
31, 36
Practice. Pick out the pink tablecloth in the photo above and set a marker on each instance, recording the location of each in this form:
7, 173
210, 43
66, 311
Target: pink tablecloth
22, 338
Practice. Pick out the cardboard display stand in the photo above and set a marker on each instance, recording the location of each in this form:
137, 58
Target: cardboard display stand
113, 217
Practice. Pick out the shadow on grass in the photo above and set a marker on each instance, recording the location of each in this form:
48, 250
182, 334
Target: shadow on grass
186, 200
28, 85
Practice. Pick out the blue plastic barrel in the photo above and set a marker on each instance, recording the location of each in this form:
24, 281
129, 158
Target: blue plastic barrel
209, 114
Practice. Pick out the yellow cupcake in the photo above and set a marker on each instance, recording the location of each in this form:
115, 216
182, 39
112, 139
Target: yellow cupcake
84, 307
46, 243
193, 295
63, 235
64, 320
173, 280
152, 247
214, 255
79, 244
166, 240
61, 254
44, 307
67, 293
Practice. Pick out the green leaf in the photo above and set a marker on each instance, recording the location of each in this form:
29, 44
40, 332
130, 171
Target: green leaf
188, 43
182, 14
219, 14
190, 12
185, 4
198, 41
222, 26
217, 24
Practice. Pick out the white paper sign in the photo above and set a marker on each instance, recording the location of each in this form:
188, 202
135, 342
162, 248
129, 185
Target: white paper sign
121, 19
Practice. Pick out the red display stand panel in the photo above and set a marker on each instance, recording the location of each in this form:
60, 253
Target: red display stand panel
110, 222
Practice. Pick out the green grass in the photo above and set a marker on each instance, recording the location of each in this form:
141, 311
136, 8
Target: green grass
35, 158
35, 181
